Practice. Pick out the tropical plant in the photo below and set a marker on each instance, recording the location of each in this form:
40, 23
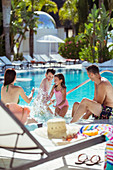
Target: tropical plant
82, 14
69, 12
23, 20
97, 30
20, 22
45, 5
71, 47
86, 53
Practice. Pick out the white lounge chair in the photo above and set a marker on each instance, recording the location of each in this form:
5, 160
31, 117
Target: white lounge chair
45, 57
39, 59
106, 64
48, 59
8, 63
2, 65
27, 57
16, 141
57, 57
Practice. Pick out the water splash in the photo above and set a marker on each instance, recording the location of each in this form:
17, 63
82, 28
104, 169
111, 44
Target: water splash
39, 109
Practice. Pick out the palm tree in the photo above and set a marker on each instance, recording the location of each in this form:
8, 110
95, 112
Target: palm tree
82, 14
45, 5
6, 9
69, 12
110, 6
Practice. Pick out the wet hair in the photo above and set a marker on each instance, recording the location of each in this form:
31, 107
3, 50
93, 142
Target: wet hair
93, 69
9, 76
51, 70
61, 77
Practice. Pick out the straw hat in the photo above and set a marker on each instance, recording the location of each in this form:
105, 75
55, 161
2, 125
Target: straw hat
70, 129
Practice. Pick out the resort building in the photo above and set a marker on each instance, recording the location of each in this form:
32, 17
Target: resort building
47, 26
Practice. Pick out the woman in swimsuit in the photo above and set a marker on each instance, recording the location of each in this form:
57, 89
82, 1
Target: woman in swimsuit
9, 92
59, 89
10, 96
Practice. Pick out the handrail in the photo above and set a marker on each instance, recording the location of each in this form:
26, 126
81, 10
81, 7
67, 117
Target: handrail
86, 82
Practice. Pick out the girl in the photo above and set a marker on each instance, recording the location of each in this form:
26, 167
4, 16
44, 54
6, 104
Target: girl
59, 89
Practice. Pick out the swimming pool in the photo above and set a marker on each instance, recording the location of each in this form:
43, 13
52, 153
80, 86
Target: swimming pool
72, 77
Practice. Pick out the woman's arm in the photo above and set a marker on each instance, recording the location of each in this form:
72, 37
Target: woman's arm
24, 96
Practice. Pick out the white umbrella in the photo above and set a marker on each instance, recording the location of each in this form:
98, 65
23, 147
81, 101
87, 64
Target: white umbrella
50, 39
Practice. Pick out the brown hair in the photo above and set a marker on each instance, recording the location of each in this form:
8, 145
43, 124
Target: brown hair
51, 70
93, 69
9, 76
61, 77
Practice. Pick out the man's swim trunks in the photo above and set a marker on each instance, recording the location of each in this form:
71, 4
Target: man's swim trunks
107, 113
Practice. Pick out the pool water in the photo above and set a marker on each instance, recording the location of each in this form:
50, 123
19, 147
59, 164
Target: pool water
72, 78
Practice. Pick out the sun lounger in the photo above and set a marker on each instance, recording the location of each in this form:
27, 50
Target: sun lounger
16, 140
48, 59
29, 59
39, 59
58, 58
8, 63
45, 57
2, 65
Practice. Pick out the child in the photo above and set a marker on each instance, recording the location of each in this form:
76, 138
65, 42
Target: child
40, 104
46, 84
59, 89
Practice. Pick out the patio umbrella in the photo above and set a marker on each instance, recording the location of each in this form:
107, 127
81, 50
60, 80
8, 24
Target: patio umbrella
50, 39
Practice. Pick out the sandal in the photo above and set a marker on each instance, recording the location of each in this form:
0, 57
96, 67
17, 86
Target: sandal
82, 158
95, 159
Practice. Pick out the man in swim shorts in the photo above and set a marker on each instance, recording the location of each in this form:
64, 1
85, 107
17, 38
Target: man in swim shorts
106, 113
102, 105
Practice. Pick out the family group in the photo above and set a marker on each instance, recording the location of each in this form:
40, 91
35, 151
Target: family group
101, 107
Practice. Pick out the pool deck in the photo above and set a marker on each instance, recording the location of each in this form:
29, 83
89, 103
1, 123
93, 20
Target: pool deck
71, 66
64, 163
68, 162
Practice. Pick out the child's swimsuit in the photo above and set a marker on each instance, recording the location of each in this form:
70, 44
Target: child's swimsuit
106, 113
58, 95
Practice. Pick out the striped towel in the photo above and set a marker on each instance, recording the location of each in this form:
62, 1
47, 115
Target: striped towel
107, 130
108, 165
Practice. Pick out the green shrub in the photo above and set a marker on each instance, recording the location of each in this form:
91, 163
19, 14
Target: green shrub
89, 54
71, 47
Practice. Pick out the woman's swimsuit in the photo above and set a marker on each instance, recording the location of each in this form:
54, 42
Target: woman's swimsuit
107, 112
7, 91
58, 96
7, 88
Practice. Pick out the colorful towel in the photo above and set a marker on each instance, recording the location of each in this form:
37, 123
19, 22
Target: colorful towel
103, 129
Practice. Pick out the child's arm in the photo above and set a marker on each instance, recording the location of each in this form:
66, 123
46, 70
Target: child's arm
51, 93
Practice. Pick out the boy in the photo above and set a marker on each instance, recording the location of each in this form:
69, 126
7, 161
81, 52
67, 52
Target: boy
46, 84
43, 96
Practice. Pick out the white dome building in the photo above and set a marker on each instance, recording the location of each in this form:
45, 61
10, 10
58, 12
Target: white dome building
47, 26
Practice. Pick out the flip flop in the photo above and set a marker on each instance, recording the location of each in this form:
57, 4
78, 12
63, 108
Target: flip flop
95, 159
82, 158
